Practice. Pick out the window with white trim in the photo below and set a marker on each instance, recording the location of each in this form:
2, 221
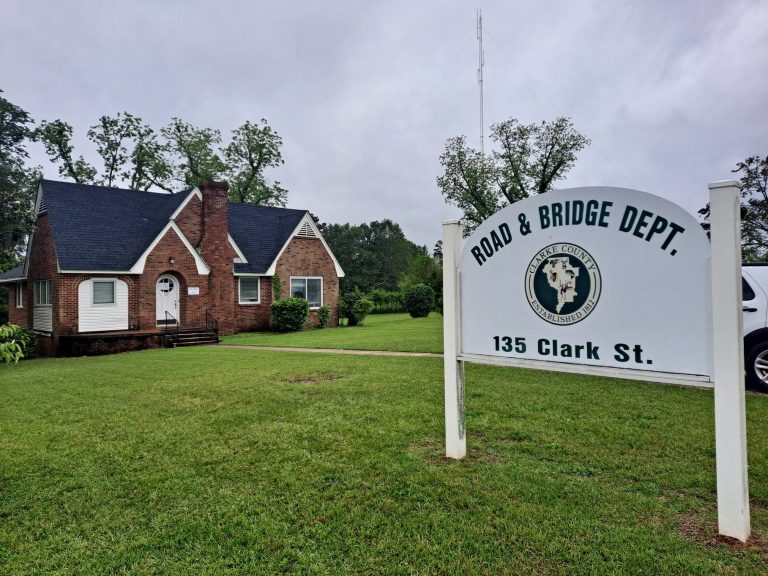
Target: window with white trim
250, 289
309, 288
19, 294
42, 292
103, 291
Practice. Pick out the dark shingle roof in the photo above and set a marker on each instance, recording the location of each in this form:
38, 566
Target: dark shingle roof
13, 273
99, 228
260, 232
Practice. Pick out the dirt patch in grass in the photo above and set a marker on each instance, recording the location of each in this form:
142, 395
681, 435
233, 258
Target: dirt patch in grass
310, 378
696, 527
433, 454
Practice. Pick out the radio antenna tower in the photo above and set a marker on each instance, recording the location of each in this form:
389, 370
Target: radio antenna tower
480, 65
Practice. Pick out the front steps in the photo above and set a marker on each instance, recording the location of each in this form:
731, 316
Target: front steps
191, 337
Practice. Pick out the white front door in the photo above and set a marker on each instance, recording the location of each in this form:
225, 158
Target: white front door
167, 291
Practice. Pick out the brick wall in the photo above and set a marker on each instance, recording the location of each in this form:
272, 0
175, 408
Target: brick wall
308, 257
43, 266
18, 316
192, 308
190, 221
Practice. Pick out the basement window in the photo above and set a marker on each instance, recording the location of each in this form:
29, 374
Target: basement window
104, 292
309, 288
250, 289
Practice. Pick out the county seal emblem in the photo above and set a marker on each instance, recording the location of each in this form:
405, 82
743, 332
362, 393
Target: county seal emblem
563, 284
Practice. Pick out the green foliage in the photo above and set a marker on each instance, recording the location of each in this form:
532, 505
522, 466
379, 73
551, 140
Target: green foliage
372, 255
56, 137
528, 160
424, 269
386, 301
323, 315
754, 208
277, 287
419, 300
16, 343
361, 309
17, 182
289, 314
194, 149
134, 156
354, 306
254, 147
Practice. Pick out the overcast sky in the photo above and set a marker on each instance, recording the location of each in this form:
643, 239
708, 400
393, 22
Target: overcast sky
672, 94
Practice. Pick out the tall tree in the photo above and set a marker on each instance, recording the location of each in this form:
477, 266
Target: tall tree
112, 136
254, 147
528, 159
17, 181
374, 255
56, 137
149, 164
133, 155
17, 189
754, 208
194, 149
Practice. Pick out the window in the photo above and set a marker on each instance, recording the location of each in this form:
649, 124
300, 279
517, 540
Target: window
311, 289
249, 290
19, 294
104, 292
747, 293
42, 292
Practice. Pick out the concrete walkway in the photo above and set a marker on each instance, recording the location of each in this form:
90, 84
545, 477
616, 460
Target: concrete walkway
329, 351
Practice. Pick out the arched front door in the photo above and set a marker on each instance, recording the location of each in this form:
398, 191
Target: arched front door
167, 291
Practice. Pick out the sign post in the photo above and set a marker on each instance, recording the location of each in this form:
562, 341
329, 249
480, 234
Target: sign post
728, 357
455, 437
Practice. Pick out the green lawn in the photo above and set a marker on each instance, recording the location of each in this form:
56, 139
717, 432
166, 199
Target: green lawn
378, 332
228, 461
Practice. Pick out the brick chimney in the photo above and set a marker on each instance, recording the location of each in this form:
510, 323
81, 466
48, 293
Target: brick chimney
215, 250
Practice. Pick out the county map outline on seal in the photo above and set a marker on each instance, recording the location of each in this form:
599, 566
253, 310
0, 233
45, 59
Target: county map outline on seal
561, 276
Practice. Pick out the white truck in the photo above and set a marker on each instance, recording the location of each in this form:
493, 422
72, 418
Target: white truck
755, 296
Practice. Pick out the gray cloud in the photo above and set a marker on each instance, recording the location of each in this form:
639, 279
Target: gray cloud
364, 96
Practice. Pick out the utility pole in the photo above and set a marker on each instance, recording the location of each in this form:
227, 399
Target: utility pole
480, 65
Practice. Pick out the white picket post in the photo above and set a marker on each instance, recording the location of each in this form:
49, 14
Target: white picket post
728, 356
455, 438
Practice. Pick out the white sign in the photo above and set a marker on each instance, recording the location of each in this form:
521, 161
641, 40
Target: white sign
193, 291
605, 277
605, 281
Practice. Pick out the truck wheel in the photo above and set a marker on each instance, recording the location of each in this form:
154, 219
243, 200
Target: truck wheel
757, 366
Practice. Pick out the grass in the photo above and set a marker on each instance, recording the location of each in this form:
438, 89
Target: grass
378, 332
227, 461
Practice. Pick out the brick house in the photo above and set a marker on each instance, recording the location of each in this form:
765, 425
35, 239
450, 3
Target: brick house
109, 270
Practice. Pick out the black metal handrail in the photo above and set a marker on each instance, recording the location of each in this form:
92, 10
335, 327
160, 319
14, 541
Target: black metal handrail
211, 323
175, 321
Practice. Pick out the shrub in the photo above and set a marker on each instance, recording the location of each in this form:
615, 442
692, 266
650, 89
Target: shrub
361, 309
419, 300
352, 310
323, 315
386, 302
16, 343
289, 315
